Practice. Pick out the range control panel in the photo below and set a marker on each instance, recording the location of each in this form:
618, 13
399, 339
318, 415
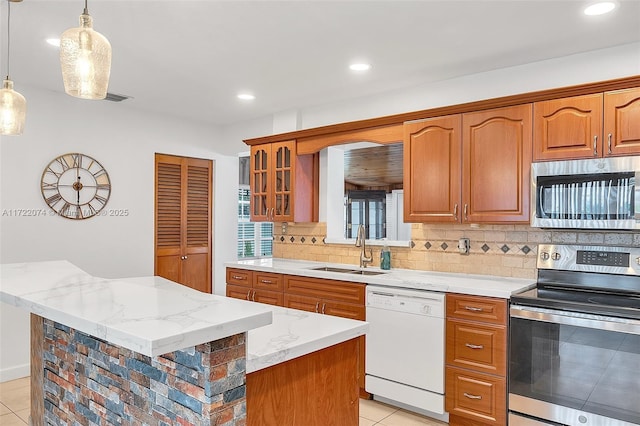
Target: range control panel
605, 259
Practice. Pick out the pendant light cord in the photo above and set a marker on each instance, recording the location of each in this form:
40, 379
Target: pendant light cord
8, 36
86, 9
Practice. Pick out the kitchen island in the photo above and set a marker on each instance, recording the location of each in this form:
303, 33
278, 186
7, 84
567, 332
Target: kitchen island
150, 351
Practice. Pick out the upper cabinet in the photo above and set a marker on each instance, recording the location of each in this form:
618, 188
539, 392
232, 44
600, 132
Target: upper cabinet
469, 168
432, 169
279, 178
496, 158
588, 126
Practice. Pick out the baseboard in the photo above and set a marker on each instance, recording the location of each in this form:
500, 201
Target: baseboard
13, 373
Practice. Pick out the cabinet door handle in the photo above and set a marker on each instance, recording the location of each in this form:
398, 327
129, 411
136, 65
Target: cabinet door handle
253, 297
595, 146
272, 213
266, 282
323, 306
472, 346
471, 396
317, 304
609, 142
455, 211
473, 309
249, 295
238, 277
466, 210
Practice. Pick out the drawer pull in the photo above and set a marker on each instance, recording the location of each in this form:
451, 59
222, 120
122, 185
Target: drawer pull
472, 346
249, 295
473, 309
471, 396
323, 306
266, 282
238, 277
317, 303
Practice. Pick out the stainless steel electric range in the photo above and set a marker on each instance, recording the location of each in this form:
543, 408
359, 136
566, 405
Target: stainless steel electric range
575, 339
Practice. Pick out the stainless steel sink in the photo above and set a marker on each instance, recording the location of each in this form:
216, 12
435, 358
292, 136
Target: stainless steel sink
347, 271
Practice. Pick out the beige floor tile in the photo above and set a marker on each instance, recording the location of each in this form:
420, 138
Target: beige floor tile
366, 422
374, 410
16, 394
24, 414
11, 420
405, 418
4, 409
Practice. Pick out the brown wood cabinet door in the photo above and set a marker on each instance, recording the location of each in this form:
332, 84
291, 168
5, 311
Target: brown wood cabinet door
568, 128
268, 297
344, 310
283, 172
303, 303
183, 232
496, 152
432, 170
239, 292
622, 122
260, 182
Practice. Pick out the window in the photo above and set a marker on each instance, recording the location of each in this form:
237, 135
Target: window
255, 239
367, 208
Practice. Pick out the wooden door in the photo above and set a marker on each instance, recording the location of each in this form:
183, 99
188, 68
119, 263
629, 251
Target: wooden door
496, 152
622, 122
432, 170
239, 292
260, 183
283, 161
183, 220
269, 297
568, 128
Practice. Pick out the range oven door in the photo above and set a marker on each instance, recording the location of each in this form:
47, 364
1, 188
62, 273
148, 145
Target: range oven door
572, 368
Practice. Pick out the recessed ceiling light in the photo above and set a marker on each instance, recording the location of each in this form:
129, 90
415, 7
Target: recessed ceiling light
359, 67
599, 8
54, 42
246, 96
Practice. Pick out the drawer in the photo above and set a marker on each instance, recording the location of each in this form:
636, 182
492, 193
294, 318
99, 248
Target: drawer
477, 346
476, 396
239, 277
267, 281
477, 308
339, 291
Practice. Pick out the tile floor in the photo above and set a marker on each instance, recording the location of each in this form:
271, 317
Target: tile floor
15, 406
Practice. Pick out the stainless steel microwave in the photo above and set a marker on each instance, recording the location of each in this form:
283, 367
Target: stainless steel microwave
586, 194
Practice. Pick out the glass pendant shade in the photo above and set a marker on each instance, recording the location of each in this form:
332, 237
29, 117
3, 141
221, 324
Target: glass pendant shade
13, 110
85, 58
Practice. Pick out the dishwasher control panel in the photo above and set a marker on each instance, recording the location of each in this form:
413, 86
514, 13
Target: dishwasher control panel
404, 300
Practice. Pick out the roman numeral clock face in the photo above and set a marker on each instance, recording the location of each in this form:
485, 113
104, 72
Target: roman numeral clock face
75, 186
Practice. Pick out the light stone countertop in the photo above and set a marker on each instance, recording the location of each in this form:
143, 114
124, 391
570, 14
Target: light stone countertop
479, 285
154, 316
149, 315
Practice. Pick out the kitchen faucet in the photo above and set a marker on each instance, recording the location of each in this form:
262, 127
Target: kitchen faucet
361, 242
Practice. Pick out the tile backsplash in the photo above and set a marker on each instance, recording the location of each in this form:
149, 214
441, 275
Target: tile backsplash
503, 250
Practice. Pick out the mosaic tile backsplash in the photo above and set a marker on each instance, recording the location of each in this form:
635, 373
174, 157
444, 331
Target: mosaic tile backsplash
502, 250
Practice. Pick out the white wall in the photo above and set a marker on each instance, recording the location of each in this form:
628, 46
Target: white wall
124, 141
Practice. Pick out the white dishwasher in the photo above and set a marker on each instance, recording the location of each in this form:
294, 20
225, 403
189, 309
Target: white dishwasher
405, 347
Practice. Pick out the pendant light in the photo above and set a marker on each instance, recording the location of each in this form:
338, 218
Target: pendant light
85, 58
13, 106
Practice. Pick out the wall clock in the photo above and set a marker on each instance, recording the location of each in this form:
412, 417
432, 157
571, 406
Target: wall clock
75, 186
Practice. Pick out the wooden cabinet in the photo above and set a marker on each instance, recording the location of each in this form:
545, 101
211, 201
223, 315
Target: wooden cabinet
453, 172
255, 286
183, 199
433, 170
279, 179
476, 360
588, 126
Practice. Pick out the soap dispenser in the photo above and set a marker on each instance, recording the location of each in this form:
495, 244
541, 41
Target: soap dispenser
385, 256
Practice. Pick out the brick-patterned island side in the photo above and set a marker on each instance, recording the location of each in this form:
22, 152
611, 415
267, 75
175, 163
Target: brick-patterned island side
148, 351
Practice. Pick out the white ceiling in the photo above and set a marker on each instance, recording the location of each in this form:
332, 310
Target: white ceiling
191, 58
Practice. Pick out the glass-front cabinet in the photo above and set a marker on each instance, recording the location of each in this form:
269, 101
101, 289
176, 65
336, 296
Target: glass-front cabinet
272, 181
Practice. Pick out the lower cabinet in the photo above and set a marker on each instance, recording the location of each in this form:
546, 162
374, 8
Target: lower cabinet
476, 360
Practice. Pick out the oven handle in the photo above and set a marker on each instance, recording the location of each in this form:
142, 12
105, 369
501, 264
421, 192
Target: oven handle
599, 322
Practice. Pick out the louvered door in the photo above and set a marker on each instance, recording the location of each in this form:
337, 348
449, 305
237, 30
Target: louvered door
183, 220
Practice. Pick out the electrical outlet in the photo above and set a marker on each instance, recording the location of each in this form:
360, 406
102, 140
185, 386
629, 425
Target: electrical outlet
464, 245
